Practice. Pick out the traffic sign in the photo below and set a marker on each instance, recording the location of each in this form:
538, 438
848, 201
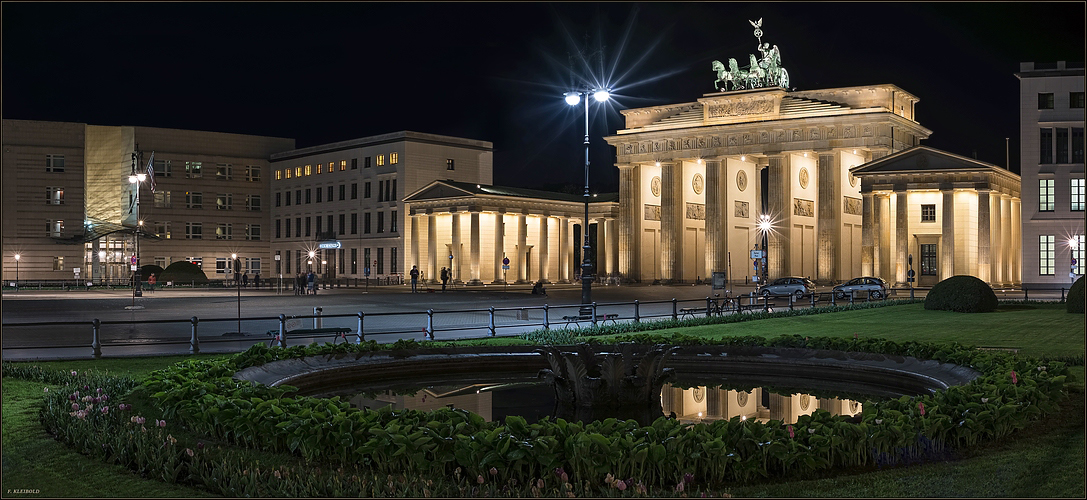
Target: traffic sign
757, 254
505, 261
910, 274
505, 268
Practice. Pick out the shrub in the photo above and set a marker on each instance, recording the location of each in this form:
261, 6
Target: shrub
961, 294
148, 270
1076, 297
184, 272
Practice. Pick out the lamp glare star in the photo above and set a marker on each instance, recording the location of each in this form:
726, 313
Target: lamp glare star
601, 95
573, 98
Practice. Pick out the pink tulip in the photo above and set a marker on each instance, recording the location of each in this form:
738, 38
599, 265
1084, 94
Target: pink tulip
622, 485
1015, 380
791, 433
479, 479
75, 406
105, 409
921, 406
494, 471
162, 423
74, 373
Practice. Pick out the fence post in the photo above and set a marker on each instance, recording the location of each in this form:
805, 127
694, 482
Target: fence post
360, 334
766, 303
1062, 294
851, 294
637, 317
707, 307
791, 300
594, 313
675, 312
1026, 294
832, 295
490, 323
317, 321
813, 299
547, 326
430, 324
194, 342
282, 330
96, 344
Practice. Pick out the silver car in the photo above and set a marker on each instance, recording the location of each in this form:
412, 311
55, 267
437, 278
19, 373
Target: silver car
869, 286
793, 285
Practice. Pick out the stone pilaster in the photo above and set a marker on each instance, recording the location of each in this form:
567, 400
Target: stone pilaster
715, 221
613, 245
902, 235
1007, 241
868, 230
544, 253
1017, 241
522, 249
629, 201
455, 271
565, 248
947, 234
475, 247
984, 228
996, 245
669, 222
830, 217
432, 248
499, 246
415, 220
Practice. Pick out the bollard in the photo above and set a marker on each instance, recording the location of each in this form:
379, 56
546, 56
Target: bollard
490, 324
95, 343
637, 317
359, 334
813, 299
766, 303
594, 313
1062, 294
282, 330
430, 324
317, 321
832, 295
1026, 294
791, 297
546, 325
675, 312
851, 294
707, 307
194, 342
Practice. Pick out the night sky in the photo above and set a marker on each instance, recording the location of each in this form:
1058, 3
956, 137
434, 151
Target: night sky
326, 72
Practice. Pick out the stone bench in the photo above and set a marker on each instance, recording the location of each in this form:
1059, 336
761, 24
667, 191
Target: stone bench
588, 317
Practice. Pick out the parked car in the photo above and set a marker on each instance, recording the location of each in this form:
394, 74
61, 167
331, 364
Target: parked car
874, 287
794, 285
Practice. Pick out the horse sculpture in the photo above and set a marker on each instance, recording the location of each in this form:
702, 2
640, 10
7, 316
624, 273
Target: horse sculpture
756, 76
725, 75
764, 72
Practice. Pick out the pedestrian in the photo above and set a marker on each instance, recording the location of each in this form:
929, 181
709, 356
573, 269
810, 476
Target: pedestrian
414, 278
445, 277
312, 283
151, 283
300, 284
256, 280
245, 280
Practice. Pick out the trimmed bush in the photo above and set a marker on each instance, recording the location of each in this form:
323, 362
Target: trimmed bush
148, 270
961, 294
183, 272
1076, 297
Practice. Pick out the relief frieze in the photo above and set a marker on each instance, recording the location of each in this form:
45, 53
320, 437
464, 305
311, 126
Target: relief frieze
732, 140
653, 212
742, 209
850, 131
853, 206
764, 137
716, 141
696, 211
741, 108
804, 208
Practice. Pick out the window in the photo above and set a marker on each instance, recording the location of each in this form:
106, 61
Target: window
343, 226
318, 225
287, 228
223, 265
1045, 146
388, 190
341, 252
343, 165
394, 197
319, 196
354, 163
58, 263
308, 197
449, 164
54, 195
252, 265
393, 158
319, 167
287, 173
330, 194
928, 260
298, 197
366, 162
1062, 145
194, 200
279, 229
380, 222
252, 232
366, 223
354, 261
366, 190
54, 163
1077, 254
1046, 255
161, 262
330, 228
1045, 101
193, 170
194, 230
380, 160
1075, 100
928, 213
1045, 195
252, 173
380, 186
224, 172
224, 201
279, 174
162, 168
1077, 195
354, 223
279, 197
309, 171
392, 221
298, 227
366, 260
288, 200
392, 260
307, 226
298, 171
54, 228
162, 229
354, 190
224, 231
1077, 145
162, 199
343, 191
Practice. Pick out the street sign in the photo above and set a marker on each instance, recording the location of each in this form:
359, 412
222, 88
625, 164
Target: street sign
76, 271
505, 261
133, 261
506, 268
910, 274
329, 244
757, 254
450, 256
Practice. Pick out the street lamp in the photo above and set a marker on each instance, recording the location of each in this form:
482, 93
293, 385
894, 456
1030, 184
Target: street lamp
238, 285
17, 257
765, 225
136, 178
573, 98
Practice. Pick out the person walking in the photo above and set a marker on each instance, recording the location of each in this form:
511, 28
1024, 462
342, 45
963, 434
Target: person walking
312, 283
256, 281
414, 278
445, 277
245, 280
151, 283
300, 284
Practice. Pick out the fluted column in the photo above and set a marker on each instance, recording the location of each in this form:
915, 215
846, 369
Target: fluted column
947, 234
603, 245
613, 246
779, 206
669, 222
880, 206
867, 233
564, 249
715, 220
996, 244
415, 219
902, 234
499, 246
830, 217
454, 263
984, 227
544, 253
432, 248
522, 248
628, 221
1006, 241
474, 244
1017, 242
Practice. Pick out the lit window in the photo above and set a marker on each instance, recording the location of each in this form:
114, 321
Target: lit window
393, 158
193, 170
162, 199
380, 160
1046, 255
298, 171
343, 165
1077, 204
1045, 195
224, 201
58, 263
162, 229
308, 171
54, 196
449, 164
252, 173
224, 172
287, 173
319, 166
928, 213
224, 231
54, 228
1077, 254
1045, 101
279, 174
54, 163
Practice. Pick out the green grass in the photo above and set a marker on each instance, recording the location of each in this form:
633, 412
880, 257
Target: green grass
1047, 460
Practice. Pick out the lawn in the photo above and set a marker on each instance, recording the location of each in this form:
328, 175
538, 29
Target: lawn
1047, 460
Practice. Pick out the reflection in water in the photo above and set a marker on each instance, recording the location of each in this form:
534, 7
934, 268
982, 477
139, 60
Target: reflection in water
534, 400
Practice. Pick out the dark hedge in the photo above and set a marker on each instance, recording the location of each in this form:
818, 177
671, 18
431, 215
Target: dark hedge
1076, 297
961, 294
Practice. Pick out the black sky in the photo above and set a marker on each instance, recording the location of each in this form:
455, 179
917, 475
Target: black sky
325, 72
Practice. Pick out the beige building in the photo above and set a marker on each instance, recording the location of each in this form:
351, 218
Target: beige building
1051, 109
342, 201
694, 179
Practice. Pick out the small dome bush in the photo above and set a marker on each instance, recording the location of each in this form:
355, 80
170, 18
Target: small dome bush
1076, 297
961, 294
148, 270
183, 272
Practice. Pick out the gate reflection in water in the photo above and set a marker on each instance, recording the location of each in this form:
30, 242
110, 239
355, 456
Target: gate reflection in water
534, 400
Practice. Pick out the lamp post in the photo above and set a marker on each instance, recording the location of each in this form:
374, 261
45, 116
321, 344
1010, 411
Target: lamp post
17, 258
238, 285
136, 178
573, 98
765, 225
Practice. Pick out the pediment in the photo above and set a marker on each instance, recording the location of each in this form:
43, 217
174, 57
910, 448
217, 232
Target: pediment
438, 190
922, 159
